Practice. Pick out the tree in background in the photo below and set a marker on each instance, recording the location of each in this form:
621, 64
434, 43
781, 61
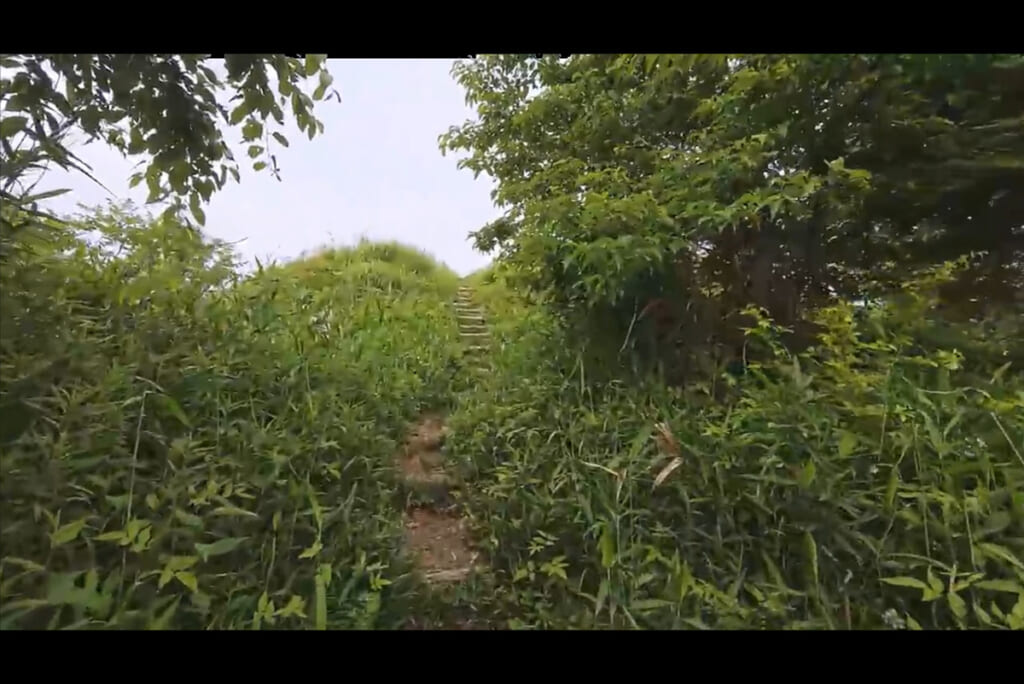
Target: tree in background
162, 106
673, 191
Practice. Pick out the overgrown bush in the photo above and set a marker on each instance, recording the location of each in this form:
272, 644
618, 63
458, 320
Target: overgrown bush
653, 197
873, 480
185, 447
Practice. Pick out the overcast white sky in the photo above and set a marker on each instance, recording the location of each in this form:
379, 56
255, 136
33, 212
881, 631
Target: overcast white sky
375, 171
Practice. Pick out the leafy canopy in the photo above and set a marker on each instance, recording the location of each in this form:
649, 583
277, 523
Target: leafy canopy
163, 106
714, 182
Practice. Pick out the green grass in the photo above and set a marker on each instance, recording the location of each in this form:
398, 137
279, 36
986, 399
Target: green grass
872, 481
184, 446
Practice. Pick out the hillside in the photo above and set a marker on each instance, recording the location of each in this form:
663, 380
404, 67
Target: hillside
870, 481
198, 449
195, 449
750, 357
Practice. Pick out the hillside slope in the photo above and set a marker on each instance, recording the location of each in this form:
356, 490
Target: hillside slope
873, 480
186, 447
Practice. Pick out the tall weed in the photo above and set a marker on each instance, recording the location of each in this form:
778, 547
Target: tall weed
873, 480
187, 448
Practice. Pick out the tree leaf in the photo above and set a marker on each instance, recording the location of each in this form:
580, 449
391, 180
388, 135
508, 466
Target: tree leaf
847, 443
23, 563
996, 551
67, 533
189, 519
46, 195
607, 545
312, 64
235, 511
325, 81
811, 548
312, 551
1000, 585
165, 576
188, 579
957, 605
602, 595
168, 402
219, 547
239, 113
281, 139
176, 563
296, 606
890, 489
200, 217
644, 605
906, 582
12, 125
252, 130
320, 618
164, 620
805, 477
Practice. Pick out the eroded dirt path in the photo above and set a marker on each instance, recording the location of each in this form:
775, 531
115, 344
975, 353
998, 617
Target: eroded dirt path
437, 538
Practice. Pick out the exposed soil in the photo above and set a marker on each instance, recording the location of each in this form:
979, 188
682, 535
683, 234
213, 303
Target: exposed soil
420, 460
439, 542
437, 539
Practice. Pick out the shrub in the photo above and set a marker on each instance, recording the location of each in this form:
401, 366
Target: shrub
874, 479
185, 447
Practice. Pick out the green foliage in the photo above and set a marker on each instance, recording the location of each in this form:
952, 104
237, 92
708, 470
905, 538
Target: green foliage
703, 184
185, 447
871, 480
163, 106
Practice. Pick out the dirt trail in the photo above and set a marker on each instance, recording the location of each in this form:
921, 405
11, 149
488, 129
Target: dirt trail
436, 537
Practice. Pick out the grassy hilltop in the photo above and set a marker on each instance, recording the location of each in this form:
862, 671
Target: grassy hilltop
188, 447
184, 446
750, 356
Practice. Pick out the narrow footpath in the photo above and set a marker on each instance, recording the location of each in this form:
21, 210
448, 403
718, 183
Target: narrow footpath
436, 537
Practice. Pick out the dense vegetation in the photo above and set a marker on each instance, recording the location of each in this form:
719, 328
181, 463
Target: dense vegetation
188, 447
802, 274
863, 482
654, 197
757, 363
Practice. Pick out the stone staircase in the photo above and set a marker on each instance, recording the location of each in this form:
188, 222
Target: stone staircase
436, 536
472, 330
